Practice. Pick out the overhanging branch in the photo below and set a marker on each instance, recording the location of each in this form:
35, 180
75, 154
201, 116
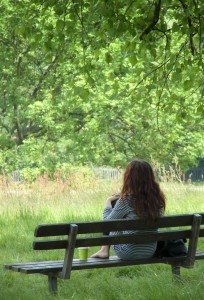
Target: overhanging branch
38, 86
191, 27
155, 20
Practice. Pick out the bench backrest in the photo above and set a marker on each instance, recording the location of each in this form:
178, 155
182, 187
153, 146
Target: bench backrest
86, 229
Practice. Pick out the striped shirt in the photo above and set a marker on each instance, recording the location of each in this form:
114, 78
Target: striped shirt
122, 210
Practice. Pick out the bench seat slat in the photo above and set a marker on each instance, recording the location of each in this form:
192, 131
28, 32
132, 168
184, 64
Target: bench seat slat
36, 265
46, 267
91, 264
7, 266
41, 270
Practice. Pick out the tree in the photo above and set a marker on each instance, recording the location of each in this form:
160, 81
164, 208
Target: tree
101, 81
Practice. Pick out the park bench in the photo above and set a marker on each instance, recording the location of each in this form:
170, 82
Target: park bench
186, 226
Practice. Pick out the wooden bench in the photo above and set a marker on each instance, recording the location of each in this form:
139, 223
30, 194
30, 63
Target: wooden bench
91, 234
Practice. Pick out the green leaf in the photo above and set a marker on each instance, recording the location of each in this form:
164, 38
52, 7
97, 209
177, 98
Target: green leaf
133, 60
108, 57
60, 25
187, 85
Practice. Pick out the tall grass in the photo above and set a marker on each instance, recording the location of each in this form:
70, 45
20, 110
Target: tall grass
78, 197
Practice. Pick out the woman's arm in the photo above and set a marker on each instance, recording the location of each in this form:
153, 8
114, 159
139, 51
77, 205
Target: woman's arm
120, 210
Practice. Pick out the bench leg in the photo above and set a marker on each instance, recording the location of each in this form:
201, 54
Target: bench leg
52, 282
176, 272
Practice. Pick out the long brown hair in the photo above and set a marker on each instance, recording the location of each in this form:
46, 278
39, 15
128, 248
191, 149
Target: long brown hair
139, 182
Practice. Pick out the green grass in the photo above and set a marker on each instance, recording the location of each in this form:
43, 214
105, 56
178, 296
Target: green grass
22, 208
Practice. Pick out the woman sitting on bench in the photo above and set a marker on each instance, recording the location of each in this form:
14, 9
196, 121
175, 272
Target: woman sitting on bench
140, 197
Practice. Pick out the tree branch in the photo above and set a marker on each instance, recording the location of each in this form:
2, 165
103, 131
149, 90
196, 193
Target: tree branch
122, 139
190, 25
37, 87
152, 71
155, 20
165, 82
17, 125
131, 3
20, 59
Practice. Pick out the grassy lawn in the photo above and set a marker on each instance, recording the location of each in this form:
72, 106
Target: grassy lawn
23, 207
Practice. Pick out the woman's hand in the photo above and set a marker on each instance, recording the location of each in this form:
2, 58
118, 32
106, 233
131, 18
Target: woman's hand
112, 198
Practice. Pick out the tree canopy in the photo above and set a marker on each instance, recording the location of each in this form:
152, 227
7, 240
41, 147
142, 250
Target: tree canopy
101, 81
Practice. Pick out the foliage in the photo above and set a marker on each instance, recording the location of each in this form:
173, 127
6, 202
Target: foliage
101, 82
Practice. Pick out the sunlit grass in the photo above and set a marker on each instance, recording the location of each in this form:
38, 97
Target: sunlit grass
24, 206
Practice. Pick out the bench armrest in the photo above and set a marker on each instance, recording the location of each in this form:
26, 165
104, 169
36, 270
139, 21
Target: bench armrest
69, 253
193, 241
